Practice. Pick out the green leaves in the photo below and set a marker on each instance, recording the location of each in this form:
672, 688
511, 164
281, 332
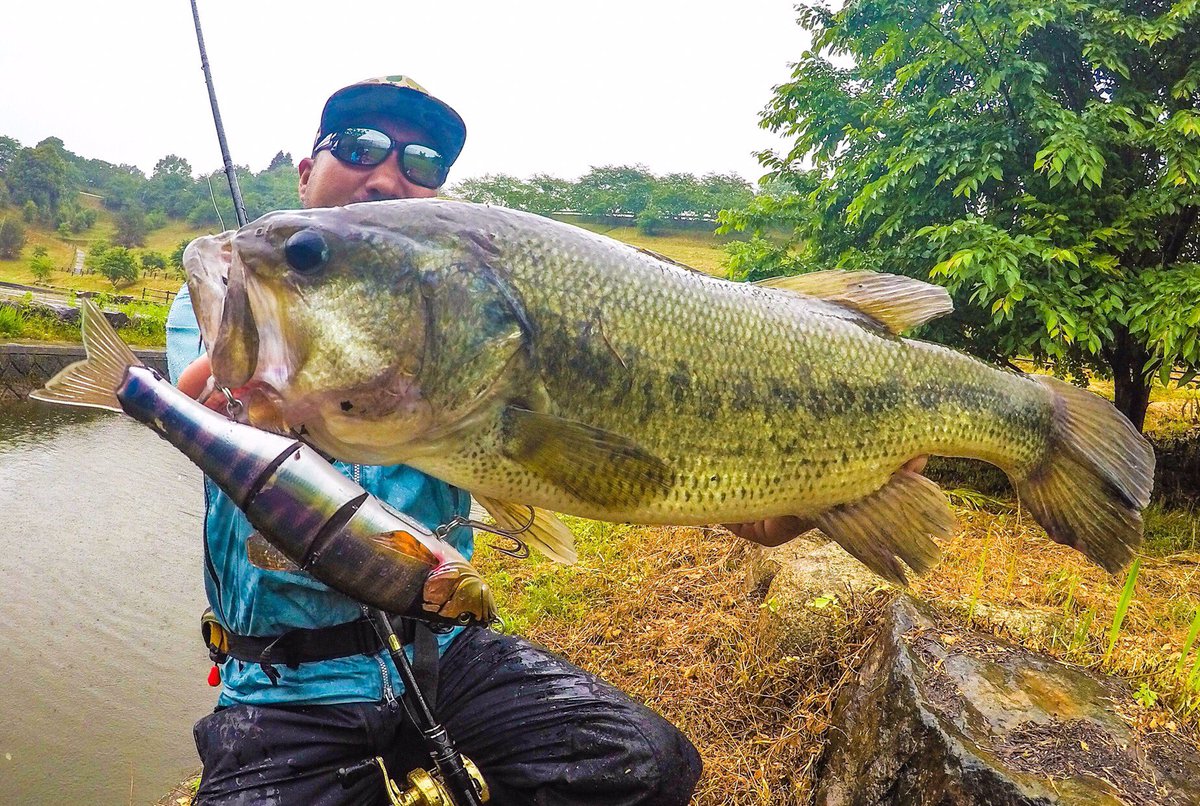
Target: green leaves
1040, 159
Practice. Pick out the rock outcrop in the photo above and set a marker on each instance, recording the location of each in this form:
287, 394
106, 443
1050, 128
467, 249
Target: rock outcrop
943, 715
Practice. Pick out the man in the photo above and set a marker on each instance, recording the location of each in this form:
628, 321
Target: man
541, 730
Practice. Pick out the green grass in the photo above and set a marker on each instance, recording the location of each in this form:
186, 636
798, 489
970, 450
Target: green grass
1123, 606
699, 250
62, 253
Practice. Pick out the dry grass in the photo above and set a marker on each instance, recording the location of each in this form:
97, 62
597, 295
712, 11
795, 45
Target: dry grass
664, 614
1000, 573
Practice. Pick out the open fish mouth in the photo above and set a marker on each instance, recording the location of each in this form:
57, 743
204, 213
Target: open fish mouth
235, 351
206, 262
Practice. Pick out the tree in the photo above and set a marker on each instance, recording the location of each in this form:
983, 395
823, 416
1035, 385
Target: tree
614, 190
175, 259
117, 265
8, 149
1041, 159
12, 238
39, 175
283, 159
132, 226
171, 189
153, 261
40, 264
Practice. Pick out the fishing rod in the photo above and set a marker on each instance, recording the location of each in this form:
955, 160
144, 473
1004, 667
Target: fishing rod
239, 207
460, 778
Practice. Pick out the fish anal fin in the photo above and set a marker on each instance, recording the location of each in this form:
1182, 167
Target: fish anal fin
894, 523
593, 465
262, 554
896, 302
546, 533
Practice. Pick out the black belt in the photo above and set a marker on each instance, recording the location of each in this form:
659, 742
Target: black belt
294, 647
298, 646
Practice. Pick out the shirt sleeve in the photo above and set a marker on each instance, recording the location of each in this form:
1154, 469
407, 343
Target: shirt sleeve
183, 335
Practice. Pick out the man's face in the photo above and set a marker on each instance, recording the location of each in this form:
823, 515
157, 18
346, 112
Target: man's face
326, 181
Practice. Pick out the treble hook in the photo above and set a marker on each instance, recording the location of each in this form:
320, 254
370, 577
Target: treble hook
519, 550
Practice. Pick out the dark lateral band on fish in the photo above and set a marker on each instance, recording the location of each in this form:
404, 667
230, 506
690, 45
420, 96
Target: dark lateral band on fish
319, 519
576, 374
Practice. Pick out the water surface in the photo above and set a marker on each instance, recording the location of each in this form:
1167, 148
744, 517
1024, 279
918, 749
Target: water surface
102, 671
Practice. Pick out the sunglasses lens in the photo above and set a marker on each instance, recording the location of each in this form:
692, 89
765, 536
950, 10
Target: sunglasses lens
423, 166
362, 146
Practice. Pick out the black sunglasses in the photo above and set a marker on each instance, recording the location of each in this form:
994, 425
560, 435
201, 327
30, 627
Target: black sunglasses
421, 164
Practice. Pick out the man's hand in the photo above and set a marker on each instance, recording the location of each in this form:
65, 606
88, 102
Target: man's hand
773, 532
196, 380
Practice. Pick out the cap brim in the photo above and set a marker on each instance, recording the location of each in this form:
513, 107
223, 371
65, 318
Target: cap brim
353, 104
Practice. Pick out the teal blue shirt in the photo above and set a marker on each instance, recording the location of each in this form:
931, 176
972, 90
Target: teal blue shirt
251, 601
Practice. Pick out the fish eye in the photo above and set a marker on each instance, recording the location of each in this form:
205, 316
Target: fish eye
306, 251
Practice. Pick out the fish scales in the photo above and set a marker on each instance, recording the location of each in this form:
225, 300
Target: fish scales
534, 363
752, 396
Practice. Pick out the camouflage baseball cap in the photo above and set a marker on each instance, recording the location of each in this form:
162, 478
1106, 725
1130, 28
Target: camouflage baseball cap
399, 98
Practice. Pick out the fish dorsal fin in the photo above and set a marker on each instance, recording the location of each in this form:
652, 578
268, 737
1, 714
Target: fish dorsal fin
891, 524
894, 301
262, 554
592, 464
546, 533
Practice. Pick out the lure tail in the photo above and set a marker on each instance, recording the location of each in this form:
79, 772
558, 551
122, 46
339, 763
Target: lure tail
93, 382
1096, 478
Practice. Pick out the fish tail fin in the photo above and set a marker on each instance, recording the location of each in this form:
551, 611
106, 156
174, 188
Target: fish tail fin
94, 381
1090, 489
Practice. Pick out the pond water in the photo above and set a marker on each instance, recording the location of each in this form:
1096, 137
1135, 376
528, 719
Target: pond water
102, 671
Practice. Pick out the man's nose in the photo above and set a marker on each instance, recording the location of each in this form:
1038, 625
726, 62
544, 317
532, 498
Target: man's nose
387, 181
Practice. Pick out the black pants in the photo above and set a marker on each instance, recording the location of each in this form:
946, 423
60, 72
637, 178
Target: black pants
541, 731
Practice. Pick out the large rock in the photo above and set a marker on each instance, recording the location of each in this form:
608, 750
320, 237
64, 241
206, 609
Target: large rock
807, 586
942, 715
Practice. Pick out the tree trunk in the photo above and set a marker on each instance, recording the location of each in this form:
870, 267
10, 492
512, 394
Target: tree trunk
1130, 386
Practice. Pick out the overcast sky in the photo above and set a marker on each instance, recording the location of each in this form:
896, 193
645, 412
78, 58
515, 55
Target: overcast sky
552, 87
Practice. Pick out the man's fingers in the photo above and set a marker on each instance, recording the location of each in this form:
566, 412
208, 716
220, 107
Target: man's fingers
770, 531
194, 378
196, 382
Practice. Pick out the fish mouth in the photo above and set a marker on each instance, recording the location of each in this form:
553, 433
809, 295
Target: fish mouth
235, 352
206, 263
218, 287
244, 339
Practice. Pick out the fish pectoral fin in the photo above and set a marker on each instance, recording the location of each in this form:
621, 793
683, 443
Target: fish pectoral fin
593, 465
894, 301
891, 524
546, 533
262, 554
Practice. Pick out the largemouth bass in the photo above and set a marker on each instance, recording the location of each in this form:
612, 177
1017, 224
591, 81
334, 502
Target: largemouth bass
534, 363
312, 517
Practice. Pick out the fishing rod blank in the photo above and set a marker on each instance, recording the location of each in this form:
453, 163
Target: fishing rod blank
239, 207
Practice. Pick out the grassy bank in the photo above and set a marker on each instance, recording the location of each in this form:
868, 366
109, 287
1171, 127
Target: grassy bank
21, 320
665, 615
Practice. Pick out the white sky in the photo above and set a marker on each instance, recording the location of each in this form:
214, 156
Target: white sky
552, 87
